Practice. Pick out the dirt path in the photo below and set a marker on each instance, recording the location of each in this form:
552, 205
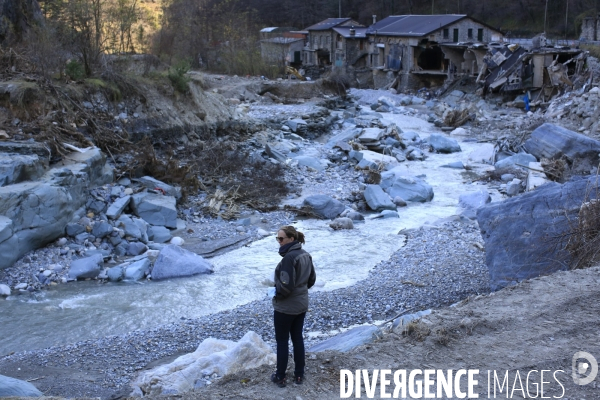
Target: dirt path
537, 325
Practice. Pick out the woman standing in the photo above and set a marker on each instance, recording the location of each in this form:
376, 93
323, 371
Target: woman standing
294, 275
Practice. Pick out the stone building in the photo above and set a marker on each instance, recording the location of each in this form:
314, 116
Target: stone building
412, 51
281, 46
590, 29
326, 41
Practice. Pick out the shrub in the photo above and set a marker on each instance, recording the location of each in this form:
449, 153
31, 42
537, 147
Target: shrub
75, 70
177, 76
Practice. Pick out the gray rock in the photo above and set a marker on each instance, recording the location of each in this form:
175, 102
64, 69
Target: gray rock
137, 270
151, 183
370, 135
518, 231
41, 210
4, 290
348, 340
455, 165
155, 209
74, 229
130, 227
389, 214
514, 187
15, 168
552, 141
377, 199
11, 387
275, 154
102, 229
355, 216
408, 138
115, 274
136, 248
355, 155
296, 125
406, 187
121, 249
367, 164
159, 234
173, 262
82, 237
399, 201
443, 144
6, 228
515, 161
310, 162
474, 200
454, 97
507, 177
88, 267
341, 223
117, 207
387, 101
414, 154
96, 206
324, 206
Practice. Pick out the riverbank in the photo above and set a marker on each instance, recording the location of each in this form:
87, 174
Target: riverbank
437, 266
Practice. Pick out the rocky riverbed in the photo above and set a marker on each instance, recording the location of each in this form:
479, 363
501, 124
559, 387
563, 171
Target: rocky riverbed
437, 266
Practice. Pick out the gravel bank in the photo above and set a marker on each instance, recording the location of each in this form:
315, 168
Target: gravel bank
438, 266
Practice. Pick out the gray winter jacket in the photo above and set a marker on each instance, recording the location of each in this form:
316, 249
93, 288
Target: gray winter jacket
294, 275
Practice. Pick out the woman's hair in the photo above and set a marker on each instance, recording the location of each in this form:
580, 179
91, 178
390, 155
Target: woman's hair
291, 232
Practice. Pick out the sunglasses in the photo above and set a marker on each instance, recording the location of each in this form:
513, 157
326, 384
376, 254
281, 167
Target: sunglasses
280, 239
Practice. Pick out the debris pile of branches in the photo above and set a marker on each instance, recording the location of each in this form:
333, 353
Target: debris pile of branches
584, 236
220, 168
456, 118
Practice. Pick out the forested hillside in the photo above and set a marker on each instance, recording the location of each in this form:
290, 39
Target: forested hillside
222, 35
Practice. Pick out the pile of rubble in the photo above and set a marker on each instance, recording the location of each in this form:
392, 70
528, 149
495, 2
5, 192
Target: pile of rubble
580, 110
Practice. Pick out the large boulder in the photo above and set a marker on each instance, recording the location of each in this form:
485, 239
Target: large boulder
324, 206
167, 189
117, 207
155, 209
442, 144
40, 211
386, 161
520, 160
377, 199
522, 233
11, 387
552, 141
408, 188
88, 267
175, 262
213, 356
137, 270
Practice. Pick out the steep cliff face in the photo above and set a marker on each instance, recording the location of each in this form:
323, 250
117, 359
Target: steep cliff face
16, 16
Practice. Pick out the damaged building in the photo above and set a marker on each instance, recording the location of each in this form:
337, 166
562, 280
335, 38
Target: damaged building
543, 71
414, 51
329, 42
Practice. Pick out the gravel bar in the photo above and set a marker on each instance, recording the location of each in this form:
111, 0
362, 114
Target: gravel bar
437, 266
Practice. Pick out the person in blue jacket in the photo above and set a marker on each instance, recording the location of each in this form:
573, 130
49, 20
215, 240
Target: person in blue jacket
294, 275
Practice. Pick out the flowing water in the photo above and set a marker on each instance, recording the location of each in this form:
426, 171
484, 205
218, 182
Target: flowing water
78, 311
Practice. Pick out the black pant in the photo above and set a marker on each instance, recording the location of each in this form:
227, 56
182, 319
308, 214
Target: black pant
285, 326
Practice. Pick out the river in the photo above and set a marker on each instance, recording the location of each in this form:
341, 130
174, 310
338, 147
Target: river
83, 310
